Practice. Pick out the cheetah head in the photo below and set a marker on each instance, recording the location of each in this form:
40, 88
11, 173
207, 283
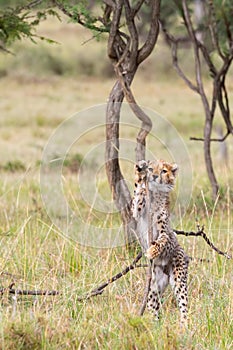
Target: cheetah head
161, 175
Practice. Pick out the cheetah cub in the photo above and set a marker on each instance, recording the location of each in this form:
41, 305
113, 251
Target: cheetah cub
169, 262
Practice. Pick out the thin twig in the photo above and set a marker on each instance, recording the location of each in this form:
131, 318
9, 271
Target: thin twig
213, 29
173, 43
3, 48
212, 140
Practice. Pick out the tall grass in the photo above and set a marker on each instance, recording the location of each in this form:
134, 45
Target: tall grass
35, 254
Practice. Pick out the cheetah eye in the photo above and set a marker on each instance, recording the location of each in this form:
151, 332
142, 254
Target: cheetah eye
164, 171
150, 169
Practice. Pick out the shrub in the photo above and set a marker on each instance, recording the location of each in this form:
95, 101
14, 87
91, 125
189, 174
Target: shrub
14, 166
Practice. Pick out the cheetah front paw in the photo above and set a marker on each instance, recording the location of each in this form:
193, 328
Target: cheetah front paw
154, 251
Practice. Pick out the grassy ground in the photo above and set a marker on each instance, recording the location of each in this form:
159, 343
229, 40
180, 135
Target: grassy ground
35, 99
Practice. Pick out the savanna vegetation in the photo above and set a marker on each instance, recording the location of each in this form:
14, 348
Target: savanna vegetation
40, 87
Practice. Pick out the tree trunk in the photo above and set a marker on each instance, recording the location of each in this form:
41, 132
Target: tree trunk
126, 56
208, 158
119, 188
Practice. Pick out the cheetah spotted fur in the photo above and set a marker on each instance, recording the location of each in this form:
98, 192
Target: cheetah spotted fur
169, 261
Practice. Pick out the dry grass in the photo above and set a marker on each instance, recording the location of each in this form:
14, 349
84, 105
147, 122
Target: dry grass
36, 255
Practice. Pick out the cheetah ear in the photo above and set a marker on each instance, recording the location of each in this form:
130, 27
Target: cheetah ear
175, 169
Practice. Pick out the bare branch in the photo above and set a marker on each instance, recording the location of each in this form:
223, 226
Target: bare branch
213, 29
228, 30
205, 53
221, 92
99, 290
211, 140
209, 114
114, 29
150, 42
140, 114
11, 290
179, 70
125, 53
226, 97
226, 115
201, 233
173, 44
105, 19
189, 26
109, 3
3, 48
133, 34
137, 7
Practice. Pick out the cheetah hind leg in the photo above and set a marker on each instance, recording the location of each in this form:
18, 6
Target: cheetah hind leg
159, 283
179, 286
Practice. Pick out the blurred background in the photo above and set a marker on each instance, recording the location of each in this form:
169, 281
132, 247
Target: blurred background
44, 83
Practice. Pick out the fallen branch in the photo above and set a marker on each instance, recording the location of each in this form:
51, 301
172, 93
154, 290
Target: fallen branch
201, 233
11, 290
99, 290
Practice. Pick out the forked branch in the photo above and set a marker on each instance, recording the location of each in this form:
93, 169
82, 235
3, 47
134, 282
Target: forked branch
173, 43
139, 113
99, 290
200, 232
151, 40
